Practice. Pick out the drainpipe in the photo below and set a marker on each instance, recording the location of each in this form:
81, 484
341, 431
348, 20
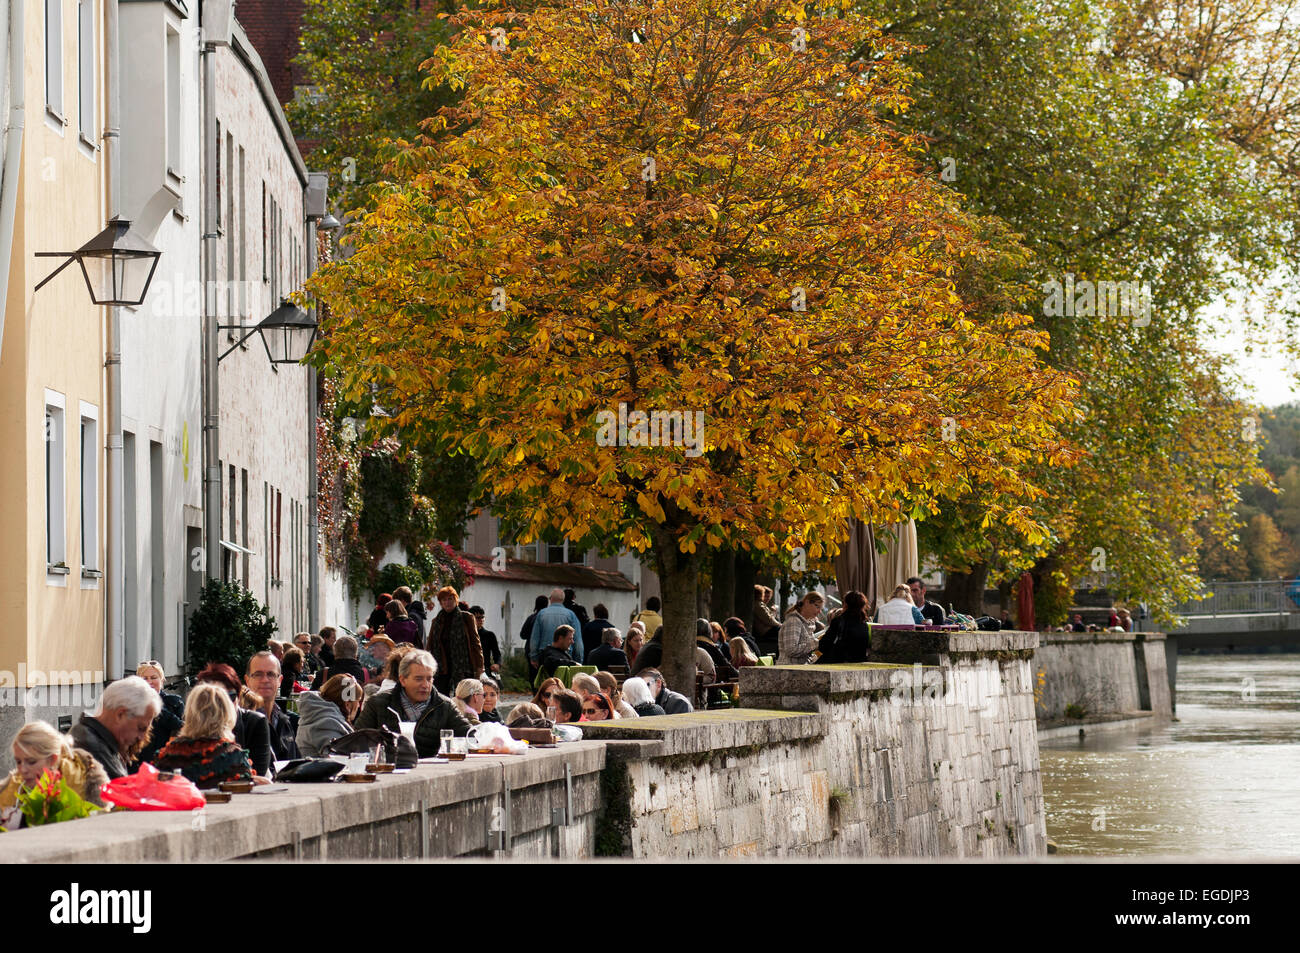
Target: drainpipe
211, 336
313, 481
114, 575
12, 34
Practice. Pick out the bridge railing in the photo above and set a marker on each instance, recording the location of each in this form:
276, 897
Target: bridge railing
1242, 598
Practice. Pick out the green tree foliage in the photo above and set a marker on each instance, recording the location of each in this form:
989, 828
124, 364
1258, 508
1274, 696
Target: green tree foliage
229, 625
1111, 170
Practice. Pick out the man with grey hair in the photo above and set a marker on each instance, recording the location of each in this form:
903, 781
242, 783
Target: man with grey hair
345, 663
120, 723
609, 652
544, 625
415, 699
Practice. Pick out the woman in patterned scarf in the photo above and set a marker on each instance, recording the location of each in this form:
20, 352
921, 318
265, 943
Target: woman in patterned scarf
453, 640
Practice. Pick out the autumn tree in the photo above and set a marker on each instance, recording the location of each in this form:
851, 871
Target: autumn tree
698, 209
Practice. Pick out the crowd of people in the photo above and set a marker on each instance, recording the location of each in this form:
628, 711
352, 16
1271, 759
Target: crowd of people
428, 675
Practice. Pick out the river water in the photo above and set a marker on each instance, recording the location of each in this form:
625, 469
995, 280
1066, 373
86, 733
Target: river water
1223, 779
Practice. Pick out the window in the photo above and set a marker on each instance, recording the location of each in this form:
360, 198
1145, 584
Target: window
278, 512
174, 164
89, 488
265, 273
54, 57
231, 301
218, 202
55, 500
242, 186
86, 69
275, 254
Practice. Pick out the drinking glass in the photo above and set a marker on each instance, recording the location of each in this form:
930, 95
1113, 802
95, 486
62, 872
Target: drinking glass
446, 735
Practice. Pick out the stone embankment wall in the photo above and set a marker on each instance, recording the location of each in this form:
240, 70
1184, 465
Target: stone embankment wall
889, 760
933, 755
1101, 674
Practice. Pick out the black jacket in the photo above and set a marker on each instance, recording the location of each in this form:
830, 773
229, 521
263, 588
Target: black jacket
673, 703
579, 610
491, 649
164, 728
648, 709
253, 734
552, 658
341, 666
283, 729
90, 735
933, 613
845, 642
603, 656
382, 711
725, 671
593, 631
650, 656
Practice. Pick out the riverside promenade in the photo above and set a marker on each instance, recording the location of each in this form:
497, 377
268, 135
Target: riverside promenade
934, 754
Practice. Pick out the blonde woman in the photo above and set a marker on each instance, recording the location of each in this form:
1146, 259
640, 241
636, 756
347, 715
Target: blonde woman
900, 610
38, 749
798, 636
741, 654
469, 699
609, 685
168, 721
205, 750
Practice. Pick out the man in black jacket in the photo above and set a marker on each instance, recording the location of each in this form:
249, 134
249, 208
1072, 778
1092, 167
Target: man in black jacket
592, 630
263, 678
609, 652
488, 639
933, 612
571, 603
557, 653
415, 699
724, 672
126, 711
671, 702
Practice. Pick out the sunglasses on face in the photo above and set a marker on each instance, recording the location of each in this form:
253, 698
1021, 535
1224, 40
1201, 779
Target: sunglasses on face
592, 711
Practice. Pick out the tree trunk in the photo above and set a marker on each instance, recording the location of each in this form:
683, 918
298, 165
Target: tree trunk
743, 606
679, 577
965, 590
722, 596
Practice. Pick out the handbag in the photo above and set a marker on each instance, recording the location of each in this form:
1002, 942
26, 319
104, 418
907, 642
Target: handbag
398, 749
310, 769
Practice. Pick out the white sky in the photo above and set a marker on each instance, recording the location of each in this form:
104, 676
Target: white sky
1269, 374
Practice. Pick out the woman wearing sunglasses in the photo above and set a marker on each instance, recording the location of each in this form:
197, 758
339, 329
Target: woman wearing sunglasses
546, 692
597, 707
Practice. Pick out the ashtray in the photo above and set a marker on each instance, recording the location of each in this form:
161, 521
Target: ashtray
380, 768
236, 787
358, 778
217, 797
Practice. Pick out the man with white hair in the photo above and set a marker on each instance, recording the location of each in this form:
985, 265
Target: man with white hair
545, 624
126, 711
415, 699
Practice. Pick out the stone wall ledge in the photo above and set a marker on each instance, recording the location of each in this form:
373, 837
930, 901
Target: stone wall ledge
256, 823
707, 731
1097, 638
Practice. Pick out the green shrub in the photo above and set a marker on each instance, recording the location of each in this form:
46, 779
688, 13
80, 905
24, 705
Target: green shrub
514, 674
228, 626
395, 575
